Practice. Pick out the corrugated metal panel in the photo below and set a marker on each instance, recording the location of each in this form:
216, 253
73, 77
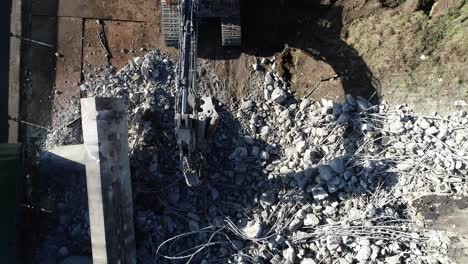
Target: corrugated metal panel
10, 170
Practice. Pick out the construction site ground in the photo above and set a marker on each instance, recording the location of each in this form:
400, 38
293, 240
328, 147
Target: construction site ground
375, 49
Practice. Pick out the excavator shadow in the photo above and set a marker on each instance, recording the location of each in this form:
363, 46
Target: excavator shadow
308, 26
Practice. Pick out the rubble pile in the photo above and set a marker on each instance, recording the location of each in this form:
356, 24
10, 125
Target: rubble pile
287, 180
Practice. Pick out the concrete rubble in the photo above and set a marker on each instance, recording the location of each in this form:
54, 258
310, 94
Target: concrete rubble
289, 180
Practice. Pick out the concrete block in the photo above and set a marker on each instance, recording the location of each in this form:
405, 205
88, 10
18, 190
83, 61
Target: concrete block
108, 180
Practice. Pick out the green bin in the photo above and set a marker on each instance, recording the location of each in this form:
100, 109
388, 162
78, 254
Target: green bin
10, 170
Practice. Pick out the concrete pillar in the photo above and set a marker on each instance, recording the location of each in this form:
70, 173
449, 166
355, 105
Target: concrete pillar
108, 180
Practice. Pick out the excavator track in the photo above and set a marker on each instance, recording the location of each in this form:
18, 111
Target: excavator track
170, 24
231, 33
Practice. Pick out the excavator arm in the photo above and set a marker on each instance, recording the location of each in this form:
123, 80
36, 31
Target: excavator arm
192, 126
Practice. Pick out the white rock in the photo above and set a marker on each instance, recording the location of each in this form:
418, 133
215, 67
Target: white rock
364, 254
289, 255
253, 229
301, 146
311, 220
317, 192
423, 123
333, 243
83, 87
264, 131
264, 155
138, 60
284, 170
321, 132
309, 156
279, 96
329, 211
304, 104
393, 259
308, 261
268, 79
397, 127
431, 131
460, 103
247, 105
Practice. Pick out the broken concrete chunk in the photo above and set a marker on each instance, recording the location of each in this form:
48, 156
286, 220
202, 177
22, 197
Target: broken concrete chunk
431, 131
337, 165
279, 96
311, 220
304, 104
253, 230
289, 255
326, 173
317, 192
301, 146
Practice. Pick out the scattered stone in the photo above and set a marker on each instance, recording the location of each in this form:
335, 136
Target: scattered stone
431, 131
318, 192
311, 220
364, 254
253, 230
264, 155
326, 173
301, 146
337, 165
279, 96
289, 255
308, 261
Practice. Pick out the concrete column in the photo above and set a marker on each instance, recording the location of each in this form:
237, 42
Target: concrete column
108, 180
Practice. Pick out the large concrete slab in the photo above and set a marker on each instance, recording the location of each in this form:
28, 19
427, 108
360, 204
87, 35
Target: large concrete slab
70, 46
105, 137
129, 10
68, 66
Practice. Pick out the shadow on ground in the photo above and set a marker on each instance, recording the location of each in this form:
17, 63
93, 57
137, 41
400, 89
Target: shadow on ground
315, 29
236, 188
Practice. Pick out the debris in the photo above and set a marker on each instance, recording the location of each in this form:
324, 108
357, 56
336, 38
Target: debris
253, 230
279, 96
302, 182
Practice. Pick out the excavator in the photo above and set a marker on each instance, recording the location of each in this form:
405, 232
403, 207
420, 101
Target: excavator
195, 118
